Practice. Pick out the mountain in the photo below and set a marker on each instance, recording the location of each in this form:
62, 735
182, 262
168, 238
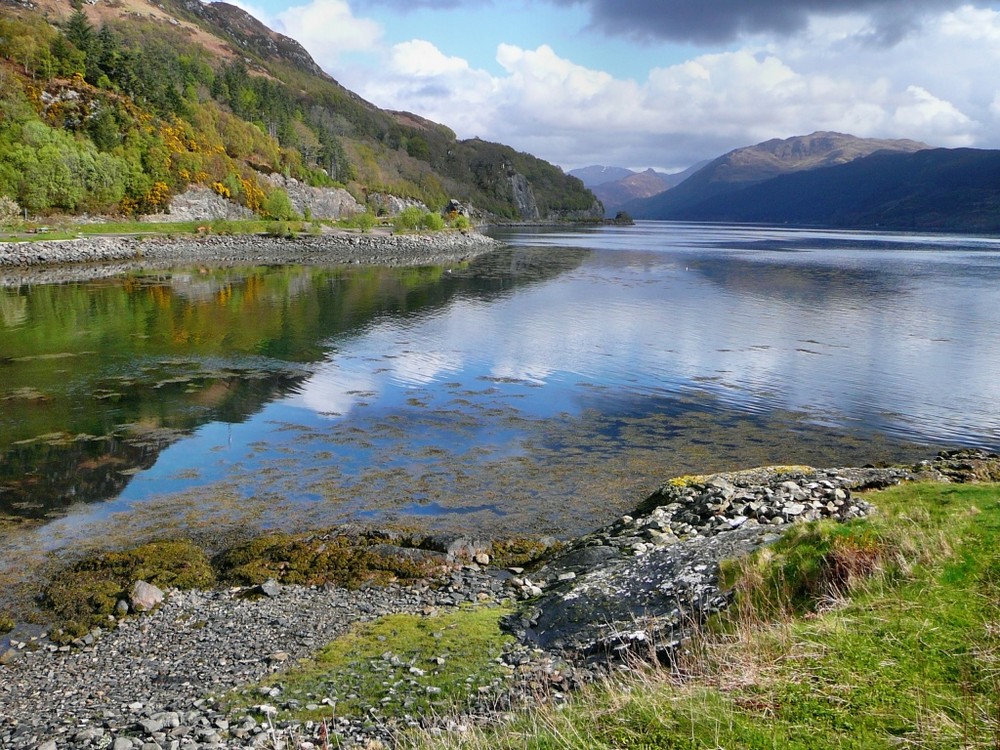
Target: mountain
755, 164
118, 106
933, 189
598, 175
614, 195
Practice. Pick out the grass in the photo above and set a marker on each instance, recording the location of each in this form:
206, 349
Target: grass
880, 634
68, 231
401, 667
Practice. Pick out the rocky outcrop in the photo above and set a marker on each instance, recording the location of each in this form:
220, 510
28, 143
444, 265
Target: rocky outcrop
385, 204
199, 203
643, 584
594, 213
524, 197
456, 208
316, 202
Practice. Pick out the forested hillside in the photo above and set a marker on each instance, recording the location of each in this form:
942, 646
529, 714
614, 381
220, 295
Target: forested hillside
117, 106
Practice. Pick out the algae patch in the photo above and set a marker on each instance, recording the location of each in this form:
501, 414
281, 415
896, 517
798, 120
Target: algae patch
397, 669
346, 560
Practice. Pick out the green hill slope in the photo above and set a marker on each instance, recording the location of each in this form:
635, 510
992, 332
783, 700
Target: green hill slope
115, 107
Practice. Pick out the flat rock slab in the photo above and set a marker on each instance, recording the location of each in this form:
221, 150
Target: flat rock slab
646, 602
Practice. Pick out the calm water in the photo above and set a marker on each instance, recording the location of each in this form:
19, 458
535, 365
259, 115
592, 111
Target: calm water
543, 388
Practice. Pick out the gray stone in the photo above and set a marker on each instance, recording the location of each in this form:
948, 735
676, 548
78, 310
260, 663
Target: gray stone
88, 735
200, 203
151, 726
8, 656
270, 587
316, 202
144, 596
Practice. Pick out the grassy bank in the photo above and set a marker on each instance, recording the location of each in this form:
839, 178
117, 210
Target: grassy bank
883, 633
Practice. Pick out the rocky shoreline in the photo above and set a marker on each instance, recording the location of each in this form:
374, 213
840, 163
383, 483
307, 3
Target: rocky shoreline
69, 260
637, 586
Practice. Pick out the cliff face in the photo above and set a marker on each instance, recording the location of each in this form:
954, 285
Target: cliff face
524, 197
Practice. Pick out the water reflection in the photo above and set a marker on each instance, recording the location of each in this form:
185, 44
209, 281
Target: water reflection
97, 378
537, 389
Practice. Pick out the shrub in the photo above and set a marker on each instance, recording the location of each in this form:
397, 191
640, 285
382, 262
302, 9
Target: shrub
461, 222
410, 219
280, 229
364, 221
433, 221
279, 206
10, 212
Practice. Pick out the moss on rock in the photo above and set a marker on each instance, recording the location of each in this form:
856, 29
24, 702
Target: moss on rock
89, 589
347, 560
521, 551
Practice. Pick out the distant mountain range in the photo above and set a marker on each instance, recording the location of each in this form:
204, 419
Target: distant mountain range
935, 189
836, 180
616, 186
752, 165
598, 175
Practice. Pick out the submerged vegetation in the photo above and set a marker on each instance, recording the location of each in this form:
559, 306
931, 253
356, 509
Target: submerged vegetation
881, 633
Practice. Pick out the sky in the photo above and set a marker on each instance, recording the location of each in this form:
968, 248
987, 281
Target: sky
663, 83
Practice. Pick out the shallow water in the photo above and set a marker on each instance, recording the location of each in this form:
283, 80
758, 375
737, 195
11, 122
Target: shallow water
544, 388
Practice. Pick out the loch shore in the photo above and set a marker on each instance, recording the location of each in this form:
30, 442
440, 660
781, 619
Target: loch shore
640, 585
53, 261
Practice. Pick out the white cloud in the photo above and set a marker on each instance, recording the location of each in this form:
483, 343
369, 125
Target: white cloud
416, 76
924, 113
936, 84
328, 29
422, 59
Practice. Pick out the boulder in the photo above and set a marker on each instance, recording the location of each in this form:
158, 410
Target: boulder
144, 596
455, 208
